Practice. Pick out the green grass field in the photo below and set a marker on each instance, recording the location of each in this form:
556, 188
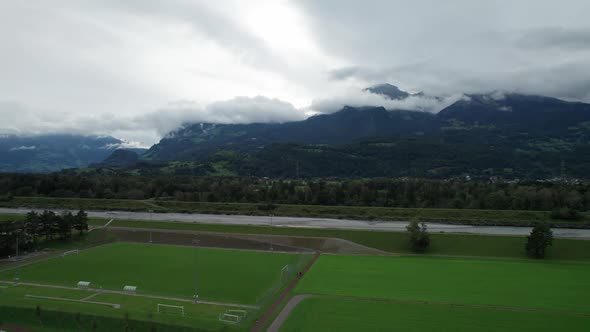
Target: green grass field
343, 315
541, 285
454, 294
56, 315
222, 275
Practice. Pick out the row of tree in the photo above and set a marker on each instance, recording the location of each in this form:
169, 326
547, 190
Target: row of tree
540, 238
416, 193
26, 235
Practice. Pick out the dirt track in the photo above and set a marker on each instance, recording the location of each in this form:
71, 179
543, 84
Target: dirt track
243, 241
277, 302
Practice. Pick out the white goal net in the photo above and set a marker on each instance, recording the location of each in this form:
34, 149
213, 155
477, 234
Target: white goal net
170, 309
232, 316
71, 252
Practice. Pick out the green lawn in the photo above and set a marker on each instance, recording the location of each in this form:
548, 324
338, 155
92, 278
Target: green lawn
222, 275
343, 315
558, 286
11, 217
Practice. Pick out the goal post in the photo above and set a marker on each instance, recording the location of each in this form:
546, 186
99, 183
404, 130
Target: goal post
170, 309
233, 316
285, 273
70, 252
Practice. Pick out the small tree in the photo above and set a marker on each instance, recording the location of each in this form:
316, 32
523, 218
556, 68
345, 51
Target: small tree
81, 222
541, 237
419, 238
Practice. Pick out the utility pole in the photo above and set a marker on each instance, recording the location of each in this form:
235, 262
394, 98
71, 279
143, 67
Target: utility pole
16, 245
271, 234
151, 219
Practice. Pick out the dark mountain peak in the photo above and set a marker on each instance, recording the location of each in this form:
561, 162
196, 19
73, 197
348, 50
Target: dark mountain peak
520, 111
352, 109
119, 158
388, 90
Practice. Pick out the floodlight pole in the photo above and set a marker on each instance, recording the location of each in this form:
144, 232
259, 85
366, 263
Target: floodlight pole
16, 245
151, 219
271, 231
196, 296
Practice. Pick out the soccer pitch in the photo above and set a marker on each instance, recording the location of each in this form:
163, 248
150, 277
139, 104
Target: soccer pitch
343, 315
229, 276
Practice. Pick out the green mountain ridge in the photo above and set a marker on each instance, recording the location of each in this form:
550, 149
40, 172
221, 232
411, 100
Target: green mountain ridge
493, 135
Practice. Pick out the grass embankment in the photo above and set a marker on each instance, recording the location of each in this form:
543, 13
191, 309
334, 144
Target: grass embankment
395, 242
425, 294
463, 216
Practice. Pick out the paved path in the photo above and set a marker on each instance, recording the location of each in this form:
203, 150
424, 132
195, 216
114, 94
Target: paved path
277, 302
245, 306
282, 317
114, 305
399, 226
90, 296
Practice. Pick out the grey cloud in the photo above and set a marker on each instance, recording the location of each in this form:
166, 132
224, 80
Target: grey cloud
554, 38
257, 109
459, 46
23, 147
149, 127
226, 32
362, 98
343, 73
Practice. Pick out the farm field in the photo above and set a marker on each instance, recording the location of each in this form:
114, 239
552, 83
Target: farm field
222, 275
352, 314
531, 284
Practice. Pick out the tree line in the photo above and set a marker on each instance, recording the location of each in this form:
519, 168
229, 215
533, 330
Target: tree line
27, 234
412, 193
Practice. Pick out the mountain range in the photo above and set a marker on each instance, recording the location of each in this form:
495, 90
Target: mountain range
483, 135
50, 153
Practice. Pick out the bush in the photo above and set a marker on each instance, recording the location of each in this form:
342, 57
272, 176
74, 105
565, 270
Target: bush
419, 238
6, 198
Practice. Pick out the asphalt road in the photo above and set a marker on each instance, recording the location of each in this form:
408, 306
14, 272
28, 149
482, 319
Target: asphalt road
317, 223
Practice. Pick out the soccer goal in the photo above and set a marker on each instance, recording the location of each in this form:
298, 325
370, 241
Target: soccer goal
232, 316
285, 273
71, 252
170, 309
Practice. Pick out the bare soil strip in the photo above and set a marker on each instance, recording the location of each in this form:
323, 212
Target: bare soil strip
269, 311
244, 241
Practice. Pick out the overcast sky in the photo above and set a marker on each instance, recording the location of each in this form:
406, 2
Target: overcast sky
139, 68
